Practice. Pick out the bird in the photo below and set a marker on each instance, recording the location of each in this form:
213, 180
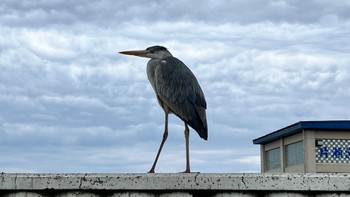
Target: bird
178, 92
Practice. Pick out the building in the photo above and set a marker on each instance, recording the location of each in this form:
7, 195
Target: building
307, 146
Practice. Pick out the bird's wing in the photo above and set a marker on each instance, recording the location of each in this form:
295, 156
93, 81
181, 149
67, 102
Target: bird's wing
179, 89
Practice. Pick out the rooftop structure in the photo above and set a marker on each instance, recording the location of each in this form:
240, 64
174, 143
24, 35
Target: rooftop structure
307, 146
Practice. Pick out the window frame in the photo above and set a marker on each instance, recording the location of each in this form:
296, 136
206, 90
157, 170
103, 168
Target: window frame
277, 159
298, 158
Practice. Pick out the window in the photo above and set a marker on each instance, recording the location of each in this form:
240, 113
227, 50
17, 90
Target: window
273, 159
295, 153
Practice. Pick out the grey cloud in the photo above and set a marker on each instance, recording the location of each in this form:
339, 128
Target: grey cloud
262, 66
113, 13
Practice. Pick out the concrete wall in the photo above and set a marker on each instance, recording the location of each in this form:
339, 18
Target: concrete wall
173, 185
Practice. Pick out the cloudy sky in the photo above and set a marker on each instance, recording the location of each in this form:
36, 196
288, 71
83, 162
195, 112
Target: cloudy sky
70, 103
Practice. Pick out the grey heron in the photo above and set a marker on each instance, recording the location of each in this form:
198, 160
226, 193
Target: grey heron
177, 91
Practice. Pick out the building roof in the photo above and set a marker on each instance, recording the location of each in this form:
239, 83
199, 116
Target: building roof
302, 125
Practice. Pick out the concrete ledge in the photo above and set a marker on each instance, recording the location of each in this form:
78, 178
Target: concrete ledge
155, 183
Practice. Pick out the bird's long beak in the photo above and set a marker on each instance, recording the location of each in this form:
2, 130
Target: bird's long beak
140, 53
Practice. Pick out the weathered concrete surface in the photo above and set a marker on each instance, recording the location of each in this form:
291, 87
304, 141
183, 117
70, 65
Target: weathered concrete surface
193, 184
180, 181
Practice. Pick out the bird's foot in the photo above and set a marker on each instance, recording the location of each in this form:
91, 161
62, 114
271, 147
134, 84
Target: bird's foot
151, 171
186, 171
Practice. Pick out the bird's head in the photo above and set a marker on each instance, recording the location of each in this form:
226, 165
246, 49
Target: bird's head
153, 52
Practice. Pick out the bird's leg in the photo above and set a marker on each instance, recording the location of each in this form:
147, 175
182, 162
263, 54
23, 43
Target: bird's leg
165, 136
187, 136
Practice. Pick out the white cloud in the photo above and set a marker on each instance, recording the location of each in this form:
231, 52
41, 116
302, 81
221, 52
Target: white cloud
249, 160
63, 86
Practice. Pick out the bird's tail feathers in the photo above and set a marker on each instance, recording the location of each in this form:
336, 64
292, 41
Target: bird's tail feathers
198, 121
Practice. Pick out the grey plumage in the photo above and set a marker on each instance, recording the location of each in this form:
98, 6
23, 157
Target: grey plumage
177, 91
177, 87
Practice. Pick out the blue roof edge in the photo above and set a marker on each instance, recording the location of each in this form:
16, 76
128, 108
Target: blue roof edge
298, 126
